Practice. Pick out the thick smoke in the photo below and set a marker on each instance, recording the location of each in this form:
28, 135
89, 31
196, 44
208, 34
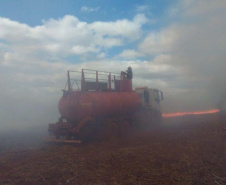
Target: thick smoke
185, 59
196, 47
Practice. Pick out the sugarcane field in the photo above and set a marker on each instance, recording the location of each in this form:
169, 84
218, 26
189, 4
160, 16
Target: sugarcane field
181, 150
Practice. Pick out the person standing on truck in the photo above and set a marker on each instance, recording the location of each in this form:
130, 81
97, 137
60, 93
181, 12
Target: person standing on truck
129, 73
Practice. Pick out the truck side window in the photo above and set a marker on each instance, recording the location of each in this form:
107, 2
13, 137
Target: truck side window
146, 97
156, 95
161, 95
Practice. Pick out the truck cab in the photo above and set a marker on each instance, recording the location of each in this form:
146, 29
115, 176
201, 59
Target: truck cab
150, 98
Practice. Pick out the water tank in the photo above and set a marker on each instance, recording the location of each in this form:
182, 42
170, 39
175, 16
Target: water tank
76, 105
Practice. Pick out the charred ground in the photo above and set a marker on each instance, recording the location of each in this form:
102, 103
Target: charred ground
182, 150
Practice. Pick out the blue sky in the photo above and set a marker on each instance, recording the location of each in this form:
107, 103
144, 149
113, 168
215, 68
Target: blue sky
32, 12
178, 46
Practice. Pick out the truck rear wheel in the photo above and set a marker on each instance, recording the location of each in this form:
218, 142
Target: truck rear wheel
111, 130
86, 128
124, 128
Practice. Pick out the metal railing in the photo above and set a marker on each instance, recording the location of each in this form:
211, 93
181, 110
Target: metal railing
92, 80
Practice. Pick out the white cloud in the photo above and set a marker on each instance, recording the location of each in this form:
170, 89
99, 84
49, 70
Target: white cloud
141, 8
79, 50
129, 54
124, 28
140, 19
68, 35
89, 9
102, 55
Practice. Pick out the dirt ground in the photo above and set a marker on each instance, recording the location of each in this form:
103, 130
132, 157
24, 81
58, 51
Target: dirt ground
183, 150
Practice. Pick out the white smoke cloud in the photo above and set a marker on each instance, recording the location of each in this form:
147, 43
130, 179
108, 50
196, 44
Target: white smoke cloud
186, 60
195, 46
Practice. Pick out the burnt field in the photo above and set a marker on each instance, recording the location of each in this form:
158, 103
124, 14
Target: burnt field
182, 150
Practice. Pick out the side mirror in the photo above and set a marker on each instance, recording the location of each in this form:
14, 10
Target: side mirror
161, 95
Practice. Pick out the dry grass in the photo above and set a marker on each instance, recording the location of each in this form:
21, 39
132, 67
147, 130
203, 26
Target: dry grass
188, 150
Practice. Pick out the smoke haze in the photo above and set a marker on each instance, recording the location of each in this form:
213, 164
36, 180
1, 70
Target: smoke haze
185, 58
